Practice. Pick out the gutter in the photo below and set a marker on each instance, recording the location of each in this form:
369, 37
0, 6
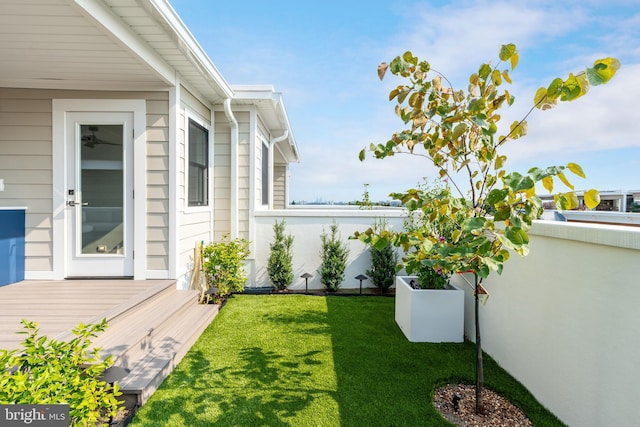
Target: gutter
272, 144
234, 168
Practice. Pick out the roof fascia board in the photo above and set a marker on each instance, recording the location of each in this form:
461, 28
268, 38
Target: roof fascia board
248, 93
104, 17
190, 46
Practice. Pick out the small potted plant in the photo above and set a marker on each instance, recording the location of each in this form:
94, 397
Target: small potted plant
428, 307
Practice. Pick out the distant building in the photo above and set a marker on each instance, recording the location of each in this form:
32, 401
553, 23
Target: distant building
610, 201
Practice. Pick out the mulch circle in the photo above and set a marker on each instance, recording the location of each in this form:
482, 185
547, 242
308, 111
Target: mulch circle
498, 411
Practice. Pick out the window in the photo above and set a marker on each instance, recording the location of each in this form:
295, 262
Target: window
198, 179
265, 174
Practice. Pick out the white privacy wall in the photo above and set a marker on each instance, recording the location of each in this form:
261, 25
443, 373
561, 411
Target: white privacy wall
565, 321
307, 226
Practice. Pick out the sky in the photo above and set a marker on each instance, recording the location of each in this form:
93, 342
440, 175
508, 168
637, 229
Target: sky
323, 57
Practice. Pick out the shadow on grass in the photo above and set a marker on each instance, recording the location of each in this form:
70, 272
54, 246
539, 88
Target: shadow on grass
330, 361
246, 385
384, 379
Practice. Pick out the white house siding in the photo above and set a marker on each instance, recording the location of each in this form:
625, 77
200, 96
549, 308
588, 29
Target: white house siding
26, 167
158, 181
221, 176
279, 186
244, 172
262, 137
194, 223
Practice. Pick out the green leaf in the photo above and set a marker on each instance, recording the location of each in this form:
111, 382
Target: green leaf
362, 154
555, 88
547, 183
517, 236
503, 211
566, 201
536, 173
571, 89
471, 224
592, 198
496, 77
603, 70
497, 195
518, 129
517, 182
484, 71
459, 130
507, 51
540, 98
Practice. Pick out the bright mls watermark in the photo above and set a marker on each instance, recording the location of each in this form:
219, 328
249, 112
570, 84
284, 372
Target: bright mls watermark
34, 415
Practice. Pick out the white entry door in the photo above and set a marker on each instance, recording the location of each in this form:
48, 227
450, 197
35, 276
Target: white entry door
99, 194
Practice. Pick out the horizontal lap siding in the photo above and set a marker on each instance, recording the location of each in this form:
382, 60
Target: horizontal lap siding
26, 167
221, 176
279, 186
158, 182
244, 172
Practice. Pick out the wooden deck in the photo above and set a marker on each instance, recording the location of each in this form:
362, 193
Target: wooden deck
151, 323
58, 306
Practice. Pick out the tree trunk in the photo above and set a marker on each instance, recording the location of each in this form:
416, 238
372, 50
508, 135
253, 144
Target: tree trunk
479, 364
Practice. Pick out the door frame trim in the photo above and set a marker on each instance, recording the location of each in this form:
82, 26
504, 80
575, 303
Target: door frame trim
60, 108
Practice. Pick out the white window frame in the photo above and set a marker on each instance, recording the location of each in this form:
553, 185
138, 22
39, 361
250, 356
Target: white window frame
206, 125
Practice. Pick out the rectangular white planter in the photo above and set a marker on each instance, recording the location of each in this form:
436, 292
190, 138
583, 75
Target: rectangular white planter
429, 315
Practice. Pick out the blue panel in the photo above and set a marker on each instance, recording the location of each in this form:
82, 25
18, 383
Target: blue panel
11, 246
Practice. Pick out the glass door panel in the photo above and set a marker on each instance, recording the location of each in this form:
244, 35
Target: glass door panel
101, 195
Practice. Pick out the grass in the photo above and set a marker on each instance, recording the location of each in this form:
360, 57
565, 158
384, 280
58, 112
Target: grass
295, 360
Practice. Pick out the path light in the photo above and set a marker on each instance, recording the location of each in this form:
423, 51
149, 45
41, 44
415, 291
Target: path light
306, 282
361, 277
456, 401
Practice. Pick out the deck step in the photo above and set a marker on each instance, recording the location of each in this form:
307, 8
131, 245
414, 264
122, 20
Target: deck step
149, 337
149, 372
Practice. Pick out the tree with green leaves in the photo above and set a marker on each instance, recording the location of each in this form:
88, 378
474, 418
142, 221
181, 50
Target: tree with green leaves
334, 254
490, 209
280, 264
383, 262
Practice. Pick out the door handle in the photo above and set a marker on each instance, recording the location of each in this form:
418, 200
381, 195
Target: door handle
73, 203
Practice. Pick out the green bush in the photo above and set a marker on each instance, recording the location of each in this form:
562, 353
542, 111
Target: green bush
383, 262
280, 265
47, 371
430, 278
334, 256
223, 264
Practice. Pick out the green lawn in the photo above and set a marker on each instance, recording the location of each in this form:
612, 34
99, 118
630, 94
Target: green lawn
295, 360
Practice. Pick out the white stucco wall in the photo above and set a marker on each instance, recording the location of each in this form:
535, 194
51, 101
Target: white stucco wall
565, 321
306, 226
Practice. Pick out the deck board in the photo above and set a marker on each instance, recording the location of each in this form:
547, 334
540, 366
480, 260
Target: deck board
58, 306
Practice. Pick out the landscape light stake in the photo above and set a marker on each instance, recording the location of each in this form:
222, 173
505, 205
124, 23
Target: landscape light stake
306, 282
361, 277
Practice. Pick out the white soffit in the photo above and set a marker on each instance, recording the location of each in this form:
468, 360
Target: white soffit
101, 45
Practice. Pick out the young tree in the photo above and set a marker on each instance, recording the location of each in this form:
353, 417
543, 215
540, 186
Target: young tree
489, 209
334, 256
280, 266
